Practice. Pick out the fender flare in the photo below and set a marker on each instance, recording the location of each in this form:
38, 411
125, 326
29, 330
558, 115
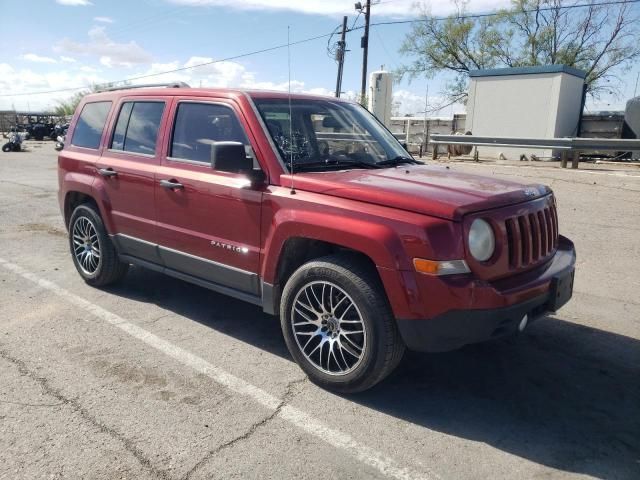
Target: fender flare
377, 241
75, 182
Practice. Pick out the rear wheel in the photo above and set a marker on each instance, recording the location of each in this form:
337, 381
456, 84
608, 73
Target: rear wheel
7, 147
338, 324
92, 251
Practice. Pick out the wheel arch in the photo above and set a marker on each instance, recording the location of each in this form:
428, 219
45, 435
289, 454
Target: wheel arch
80, 190
296, 240
72, 200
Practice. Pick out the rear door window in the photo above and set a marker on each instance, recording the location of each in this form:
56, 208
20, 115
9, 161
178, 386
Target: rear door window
90, 124
137, 127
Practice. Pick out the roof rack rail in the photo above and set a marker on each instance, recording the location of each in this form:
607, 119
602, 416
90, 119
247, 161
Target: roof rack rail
148, 85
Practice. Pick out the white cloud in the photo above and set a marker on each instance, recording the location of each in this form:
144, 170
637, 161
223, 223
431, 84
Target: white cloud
32, 57
224, 74
395, 8
74, 3
111, 54
321, 91
219, 74
16, 81
67, 59
103, 19
88, 69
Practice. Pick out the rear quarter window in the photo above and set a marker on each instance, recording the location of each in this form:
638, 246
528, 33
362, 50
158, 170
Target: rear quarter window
90, 124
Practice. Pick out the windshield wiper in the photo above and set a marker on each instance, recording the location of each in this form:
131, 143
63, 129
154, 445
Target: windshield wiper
345, 162
399, 160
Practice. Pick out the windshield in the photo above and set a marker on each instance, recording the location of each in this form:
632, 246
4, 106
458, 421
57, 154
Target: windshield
328, 135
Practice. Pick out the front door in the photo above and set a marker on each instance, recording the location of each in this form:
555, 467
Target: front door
128, 165
208, 220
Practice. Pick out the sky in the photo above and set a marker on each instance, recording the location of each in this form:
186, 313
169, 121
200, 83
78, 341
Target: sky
58, 44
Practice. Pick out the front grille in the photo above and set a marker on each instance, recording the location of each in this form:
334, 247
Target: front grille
532, 237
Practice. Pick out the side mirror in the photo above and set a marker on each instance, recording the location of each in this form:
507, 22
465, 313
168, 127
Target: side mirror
230, 157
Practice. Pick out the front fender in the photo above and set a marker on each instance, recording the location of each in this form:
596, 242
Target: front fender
380, 242
376, 241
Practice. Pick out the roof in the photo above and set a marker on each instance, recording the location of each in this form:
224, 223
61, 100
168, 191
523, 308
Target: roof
498, 72
205, 92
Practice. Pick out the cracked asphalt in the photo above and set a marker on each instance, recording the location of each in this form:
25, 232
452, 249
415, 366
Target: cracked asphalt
205, 388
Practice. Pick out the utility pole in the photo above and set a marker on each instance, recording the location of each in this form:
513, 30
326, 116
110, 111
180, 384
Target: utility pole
340, 56
364, 43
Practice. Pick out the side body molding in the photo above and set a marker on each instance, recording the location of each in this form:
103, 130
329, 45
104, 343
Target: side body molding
200, 271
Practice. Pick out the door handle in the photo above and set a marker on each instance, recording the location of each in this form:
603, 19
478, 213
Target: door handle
171, 184
107, 172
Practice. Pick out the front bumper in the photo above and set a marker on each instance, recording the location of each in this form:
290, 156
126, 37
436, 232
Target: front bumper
539, 292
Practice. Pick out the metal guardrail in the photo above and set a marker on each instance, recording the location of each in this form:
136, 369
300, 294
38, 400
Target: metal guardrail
567, 146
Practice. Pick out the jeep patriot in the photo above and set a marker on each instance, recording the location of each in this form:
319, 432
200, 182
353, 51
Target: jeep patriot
310, 208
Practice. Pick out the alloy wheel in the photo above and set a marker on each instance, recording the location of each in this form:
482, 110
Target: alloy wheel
328, 328
86, 246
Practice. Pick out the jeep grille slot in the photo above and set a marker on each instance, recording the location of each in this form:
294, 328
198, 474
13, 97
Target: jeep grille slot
531, 237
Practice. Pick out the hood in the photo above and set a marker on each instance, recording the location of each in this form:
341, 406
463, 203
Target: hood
431, 190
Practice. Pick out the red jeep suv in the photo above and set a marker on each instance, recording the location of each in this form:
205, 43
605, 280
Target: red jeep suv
308, 207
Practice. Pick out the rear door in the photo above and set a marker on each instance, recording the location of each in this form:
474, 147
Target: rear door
209, 225
127, 168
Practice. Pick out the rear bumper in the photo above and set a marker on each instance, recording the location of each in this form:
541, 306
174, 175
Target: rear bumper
535, 296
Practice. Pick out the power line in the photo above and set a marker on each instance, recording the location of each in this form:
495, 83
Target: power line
310, 39
493, 14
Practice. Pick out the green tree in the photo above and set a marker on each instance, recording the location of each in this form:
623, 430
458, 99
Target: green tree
65, 107
599, 39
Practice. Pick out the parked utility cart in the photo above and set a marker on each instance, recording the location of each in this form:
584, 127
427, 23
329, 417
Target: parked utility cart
310, 208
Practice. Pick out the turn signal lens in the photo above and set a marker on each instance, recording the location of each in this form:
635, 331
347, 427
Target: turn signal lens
426, 266
440, 267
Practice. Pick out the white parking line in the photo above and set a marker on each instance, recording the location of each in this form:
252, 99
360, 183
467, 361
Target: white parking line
296, 417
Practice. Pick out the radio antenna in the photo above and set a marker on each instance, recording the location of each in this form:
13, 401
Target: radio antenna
293, 190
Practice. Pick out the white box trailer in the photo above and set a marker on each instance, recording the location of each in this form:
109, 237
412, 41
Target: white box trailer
540, 102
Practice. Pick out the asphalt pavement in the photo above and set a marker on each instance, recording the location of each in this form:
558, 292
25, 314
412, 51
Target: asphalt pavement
157, 378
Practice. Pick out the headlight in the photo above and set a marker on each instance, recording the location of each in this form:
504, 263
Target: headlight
482, 241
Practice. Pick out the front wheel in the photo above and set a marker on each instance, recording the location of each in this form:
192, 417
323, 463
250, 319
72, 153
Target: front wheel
338, 324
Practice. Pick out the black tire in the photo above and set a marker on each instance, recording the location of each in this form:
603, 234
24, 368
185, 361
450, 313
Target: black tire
109, 268
7, 147
384, 348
